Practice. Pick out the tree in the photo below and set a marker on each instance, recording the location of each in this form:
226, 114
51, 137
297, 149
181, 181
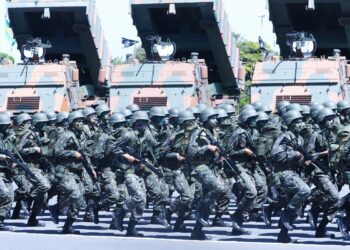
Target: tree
117, 61
6, 56
250, 54
140, 53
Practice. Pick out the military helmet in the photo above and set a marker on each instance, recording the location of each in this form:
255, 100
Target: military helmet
221, 113
116, 118
75, 115
9, 113
195, 110
51, 115
330, 105
281, 107
305, 110
245, 114
61, 116
202, 106
185, 116
205, 114
313, 103
173, 113
263, 108
228, 107
341, 105
156, 111
133, 107
323, 113
262, 117
39, 117
166, 111
290, 116
5, 119
101, 109
88, 111
21, 118
294, 106
127, 113
257, 104
139, 116
247, 106
314, 109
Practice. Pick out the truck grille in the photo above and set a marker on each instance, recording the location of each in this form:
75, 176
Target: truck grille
301, 99
145, 103
23, 103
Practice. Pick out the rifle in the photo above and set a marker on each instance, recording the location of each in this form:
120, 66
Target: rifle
223, 153
85, 160
295, 145
142, 161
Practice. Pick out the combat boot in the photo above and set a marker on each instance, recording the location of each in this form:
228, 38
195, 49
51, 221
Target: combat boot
16, 214
343, 227
88, 216
312, 216
33, 222
255, 216
2, 225
197, 232
321, 231
117, 219
96, 209
267, 214
237, 221
68, 227
283, 236
168, 213
158, 217
179, 225
131, 230
218, 221
202, 214
287, 217
54, 213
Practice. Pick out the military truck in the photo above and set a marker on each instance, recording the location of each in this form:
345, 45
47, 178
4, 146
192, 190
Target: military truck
64, 53
204, 68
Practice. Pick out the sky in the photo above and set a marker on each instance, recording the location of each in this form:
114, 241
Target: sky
247, 17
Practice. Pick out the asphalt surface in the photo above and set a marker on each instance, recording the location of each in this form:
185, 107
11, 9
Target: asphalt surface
157, 237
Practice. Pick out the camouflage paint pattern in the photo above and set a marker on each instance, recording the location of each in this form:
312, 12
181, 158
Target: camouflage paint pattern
182, 84
315, 79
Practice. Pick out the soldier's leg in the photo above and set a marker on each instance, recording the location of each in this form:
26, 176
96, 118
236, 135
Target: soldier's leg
262, 191
154, 191
21, 196
41, 186
90, 200
135, 202
222, 205
6, 199
72, 189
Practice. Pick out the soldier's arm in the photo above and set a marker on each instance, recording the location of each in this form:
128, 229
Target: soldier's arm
23, 146
101, 147
61, 145
311, 147
234, 146
194, 150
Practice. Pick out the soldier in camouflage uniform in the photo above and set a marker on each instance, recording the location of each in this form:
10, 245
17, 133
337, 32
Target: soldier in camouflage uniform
32, 145
102, 112
325, 197
287, 160
201, 153
252, 182
67, 154
174, 150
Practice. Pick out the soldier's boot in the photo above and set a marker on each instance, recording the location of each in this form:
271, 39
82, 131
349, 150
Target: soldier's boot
54, 213
312, 216
88, 216
2, 225
218, 221
33, 222
255, 216
190, 216
202, 214
179, 225
95, 210
131, 230
117, 219
158, 217
287, 218
321, 231
16, 214
283, 236
237, 221
344, 228
68, 227
197, 232
168, 213
267, 214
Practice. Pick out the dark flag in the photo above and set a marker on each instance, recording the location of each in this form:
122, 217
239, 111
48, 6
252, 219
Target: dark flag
128, 42
261, 44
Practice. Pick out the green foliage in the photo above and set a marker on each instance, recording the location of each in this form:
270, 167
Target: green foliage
6, 56
117, 61
140, 53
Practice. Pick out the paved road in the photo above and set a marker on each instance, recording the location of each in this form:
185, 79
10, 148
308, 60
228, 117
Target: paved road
157, 237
